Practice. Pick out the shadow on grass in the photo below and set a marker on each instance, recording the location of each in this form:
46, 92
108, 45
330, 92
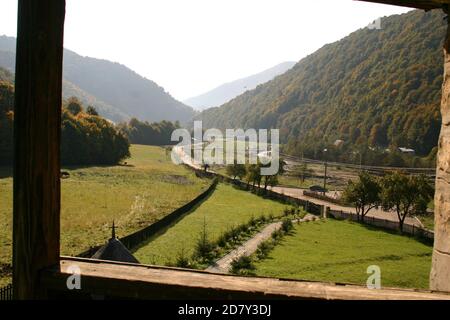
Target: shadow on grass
88, 166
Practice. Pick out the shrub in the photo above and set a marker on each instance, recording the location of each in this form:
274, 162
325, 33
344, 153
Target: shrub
223, 240
262, 219
277, 234
263, 249
243, 228
203, 247
234, 234
182, 261
242, 265
287, 225
253, 222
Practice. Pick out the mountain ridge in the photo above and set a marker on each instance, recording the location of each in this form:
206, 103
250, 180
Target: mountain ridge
118, 92
232, 89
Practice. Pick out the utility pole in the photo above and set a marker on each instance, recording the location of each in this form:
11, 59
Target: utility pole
325, 174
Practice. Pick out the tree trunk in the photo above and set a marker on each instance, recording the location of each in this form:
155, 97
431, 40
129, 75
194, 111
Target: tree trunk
400, 225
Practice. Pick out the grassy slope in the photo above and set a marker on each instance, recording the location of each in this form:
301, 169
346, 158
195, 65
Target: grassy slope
340, 251
135, 196
223, 209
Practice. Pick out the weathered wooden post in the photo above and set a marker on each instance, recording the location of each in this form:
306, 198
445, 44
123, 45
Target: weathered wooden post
37, 130
440, 272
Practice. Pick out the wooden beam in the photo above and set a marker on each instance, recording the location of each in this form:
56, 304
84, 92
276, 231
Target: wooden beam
418, 4
440, 271
124, 280
37, 131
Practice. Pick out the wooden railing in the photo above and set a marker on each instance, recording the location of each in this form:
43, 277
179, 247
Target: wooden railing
106, 279
6, 293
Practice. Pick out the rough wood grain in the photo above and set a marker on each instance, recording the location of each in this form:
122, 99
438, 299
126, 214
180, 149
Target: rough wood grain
147, 282
37, 130
440, 271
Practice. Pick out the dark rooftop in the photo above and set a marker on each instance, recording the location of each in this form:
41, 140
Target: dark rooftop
419, 4
114, 250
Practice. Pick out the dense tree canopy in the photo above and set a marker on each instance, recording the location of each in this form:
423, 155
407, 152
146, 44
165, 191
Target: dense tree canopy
405, 194
157, 133
90, 139
85, 139
6, 122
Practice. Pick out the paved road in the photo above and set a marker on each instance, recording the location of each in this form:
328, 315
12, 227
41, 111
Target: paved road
378, 213
223, 265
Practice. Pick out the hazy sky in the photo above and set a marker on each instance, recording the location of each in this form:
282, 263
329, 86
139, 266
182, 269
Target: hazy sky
191, 46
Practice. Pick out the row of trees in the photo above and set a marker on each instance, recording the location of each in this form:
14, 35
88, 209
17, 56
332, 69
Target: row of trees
86, 138
251, 173
396, 191
157, 133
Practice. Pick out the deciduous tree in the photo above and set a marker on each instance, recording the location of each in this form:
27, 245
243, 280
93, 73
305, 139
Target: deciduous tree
363, 194
405, 194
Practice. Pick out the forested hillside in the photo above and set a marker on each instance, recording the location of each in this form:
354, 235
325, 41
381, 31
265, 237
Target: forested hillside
86, 138
373, 89
116, 91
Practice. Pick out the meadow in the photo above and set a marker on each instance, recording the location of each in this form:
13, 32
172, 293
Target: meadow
134, 195
341, 251
225, 208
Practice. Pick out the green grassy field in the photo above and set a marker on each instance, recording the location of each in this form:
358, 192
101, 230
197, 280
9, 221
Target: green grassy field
136, 195
340, 251
225, 208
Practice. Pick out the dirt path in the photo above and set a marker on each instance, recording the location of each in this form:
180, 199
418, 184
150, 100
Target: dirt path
223, 265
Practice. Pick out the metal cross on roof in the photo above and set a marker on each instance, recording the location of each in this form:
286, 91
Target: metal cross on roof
113, 230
